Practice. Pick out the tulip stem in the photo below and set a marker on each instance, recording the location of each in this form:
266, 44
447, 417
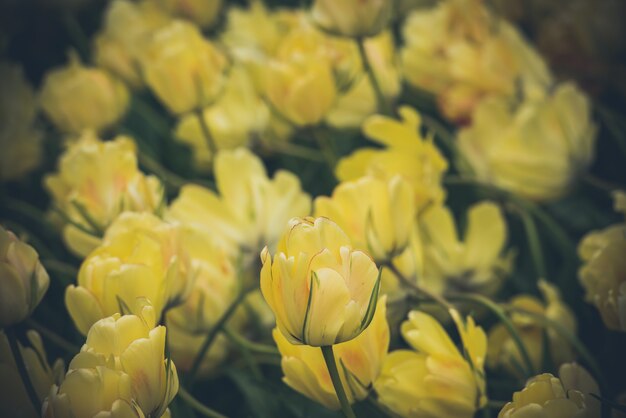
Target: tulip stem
383, 106
21, 368
52, 337
331, 364
206, 132
197, 405
327, 149
249, 345
534, 243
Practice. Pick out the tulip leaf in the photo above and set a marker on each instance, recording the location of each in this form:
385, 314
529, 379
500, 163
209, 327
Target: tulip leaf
371, 307
305, 324
124, 308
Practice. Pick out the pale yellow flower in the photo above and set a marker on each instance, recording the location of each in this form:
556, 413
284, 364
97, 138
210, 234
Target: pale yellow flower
503, 352
183, 69
127, 28
377, 215
20, 142
353, 18
202, 12
461, 52
238, 116
14, 400
536, 149
141, 261
321, 290
407, 153
97, 181
75, 98
251, 210
435, 380
360, 361
23, 279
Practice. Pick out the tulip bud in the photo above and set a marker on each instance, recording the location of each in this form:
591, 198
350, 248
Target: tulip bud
362, 358
353, 18
377, 215
67, 90
23, 280
321, 290
202, 12
183, 69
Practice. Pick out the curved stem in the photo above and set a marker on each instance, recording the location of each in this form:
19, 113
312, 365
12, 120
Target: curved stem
323, 142
250, 345
206, 132
21, 368
197, 405
418, 289
534, 243
331, 364
383, 106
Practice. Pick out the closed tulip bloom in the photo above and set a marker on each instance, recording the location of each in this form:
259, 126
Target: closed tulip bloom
503, 352
321, 290
202, 12
406, 153
251, 209
95, 182
353, 18
23, 280
536, 149
183, 69
362, 358
434, 380
141, 261
65, 91
377, 215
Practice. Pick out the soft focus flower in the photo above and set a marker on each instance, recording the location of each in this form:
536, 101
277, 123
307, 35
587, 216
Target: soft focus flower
183, 69
215, 285
237, 117
321, 290
96, 182
461, 52
127, 28
407, 153
536, 149
361, 360
184, 347
503, 351
476, 262
546, 396
435, 380
140, 261
76, 98
121, 368
575, 378
202, 12
603, 274
20, 142
377, 215
353, 18
23, 280
14, 400
251, 209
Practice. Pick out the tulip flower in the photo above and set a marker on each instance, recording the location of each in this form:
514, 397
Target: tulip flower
353, 18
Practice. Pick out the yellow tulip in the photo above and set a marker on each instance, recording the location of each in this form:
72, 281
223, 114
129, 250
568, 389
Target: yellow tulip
237, 117
435, 380
321, 290
141, 261
461, 52
14, 400
503, 352
407, 153
121, 368
536, 149
477, 261
23, 280
76, 98
361, 359
183, 69
202, 12
19, 140
353, 18
251, 209
127, 28
96, 182
377, 215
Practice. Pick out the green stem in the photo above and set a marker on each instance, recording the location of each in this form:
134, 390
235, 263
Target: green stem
294, 150
52, 337
212, 334
252, 346
21, 368
599, 183
154, 119
206, 132
496, 310
77, 35
449, 141
418, 289
383, 106
327, 150
197, 405
534, 243
331, 364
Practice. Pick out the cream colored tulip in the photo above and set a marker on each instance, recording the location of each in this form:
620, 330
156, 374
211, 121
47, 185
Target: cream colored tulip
202, 12
353, 18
